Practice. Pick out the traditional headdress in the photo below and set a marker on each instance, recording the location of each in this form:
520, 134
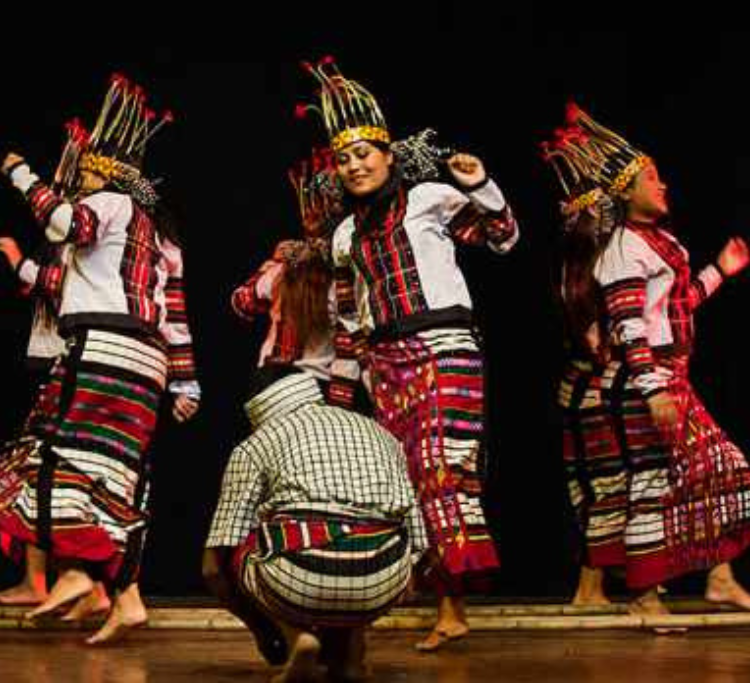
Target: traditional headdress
318, 191
116, 146
349, 111
590, 159
67, 168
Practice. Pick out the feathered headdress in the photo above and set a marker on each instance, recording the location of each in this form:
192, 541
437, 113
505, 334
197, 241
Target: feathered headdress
589, 159
318, 191
350, 112
116, 146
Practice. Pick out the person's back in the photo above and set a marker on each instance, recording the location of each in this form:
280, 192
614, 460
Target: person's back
325, 458
319, 518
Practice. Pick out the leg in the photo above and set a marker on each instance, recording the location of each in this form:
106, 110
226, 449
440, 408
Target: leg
302, 666
451, 624
722, 587
649, 604
96, 602
73, 583
343, 652
590, 587
33, 588
222, 584
128, 613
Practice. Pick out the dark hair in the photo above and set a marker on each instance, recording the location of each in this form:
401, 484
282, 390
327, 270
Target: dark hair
269, 374
584, 239
303, 293
166, 223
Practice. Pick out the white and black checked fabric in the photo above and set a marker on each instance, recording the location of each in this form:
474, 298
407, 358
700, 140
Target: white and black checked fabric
305, 456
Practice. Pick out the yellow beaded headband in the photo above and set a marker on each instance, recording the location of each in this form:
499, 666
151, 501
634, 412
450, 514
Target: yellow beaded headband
107, 167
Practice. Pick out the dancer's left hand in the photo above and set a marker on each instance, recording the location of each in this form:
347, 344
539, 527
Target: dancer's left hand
467, 169
184, 407
12, 251
734, 257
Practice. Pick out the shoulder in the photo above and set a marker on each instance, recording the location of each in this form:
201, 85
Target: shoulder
107, 199
441, 200
627, 252
433, 193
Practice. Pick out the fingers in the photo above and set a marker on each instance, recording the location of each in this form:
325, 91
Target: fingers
466, 163
184, 408
11, 159
740, 245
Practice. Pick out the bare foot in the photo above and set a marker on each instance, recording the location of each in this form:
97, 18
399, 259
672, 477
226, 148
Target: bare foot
590, 591
71, 585
96, 602
598, 600
303, 662
649, 605
121, 620
727, 591
22, 594
442, 633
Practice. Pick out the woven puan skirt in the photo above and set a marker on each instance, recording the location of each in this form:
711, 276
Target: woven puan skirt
596, 471
79, 494
336, 576
428, 390
688, 496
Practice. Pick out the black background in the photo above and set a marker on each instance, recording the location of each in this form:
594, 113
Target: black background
492, 79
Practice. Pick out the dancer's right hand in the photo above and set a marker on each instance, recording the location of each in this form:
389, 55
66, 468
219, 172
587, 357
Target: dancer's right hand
664, 412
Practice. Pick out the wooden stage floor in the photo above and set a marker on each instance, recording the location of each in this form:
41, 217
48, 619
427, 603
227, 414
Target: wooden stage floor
716, 655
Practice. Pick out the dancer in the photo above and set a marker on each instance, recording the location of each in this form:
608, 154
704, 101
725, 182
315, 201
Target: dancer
294, 286
82, 498
658, 486
405, 325
41, 279
316, 523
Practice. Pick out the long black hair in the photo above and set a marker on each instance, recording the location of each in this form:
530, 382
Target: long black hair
585, 236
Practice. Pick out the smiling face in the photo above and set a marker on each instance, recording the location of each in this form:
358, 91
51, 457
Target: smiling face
647, 196
363, 167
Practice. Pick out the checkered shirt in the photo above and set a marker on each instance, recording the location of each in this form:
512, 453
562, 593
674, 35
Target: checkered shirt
307, 457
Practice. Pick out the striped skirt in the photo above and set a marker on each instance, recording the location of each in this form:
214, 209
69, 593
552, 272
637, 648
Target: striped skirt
342, 579
661, 509
428, 390
596, 472
83, 490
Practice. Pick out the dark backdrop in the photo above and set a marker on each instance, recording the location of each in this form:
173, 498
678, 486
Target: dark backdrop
490, 78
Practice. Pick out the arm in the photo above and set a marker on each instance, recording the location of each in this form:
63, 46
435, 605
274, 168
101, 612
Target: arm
183, 383
349, 339
41, 278
242, 491
254, 297
622, 271
704, 285
62, 221
480, 215
732, 259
